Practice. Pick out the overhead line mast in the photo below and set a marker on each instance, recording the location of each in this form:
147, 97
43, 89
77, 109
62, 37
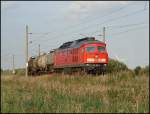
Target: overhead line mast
26, 51
104, 34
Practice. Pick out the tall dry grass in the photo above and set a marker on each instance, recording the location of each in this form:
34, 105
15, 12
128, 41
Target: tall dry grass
120, 92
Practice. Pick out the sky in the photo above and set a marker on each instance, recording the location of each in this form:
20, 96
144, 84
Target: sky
55, 22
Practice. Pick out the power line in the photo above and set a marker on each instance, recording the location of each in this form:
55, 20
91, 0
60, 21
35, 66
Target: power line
126, 30
96, 18
114, 19
128, 25
133, 13
118, 33
73, 26
120, 26
137, 28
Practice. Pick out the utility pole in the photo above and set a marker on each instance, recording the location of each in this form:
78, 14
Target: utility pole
104, 34
13, 65
26, 52
39, 49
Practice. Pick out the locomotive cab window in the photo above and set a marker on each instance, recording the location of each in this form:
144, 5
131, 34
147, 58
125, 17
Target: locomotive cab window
90, 49
101, 49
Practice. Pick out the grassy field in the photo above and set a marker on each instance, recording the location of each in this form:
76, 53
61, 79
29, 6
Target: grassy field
120, 92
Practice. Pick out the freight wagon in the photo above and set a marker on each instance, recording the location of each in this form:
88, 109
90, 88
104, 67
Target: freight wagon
41, 64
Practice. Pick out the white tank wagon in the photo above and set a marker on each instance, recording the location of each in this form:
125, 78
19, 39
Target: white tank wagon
45, 62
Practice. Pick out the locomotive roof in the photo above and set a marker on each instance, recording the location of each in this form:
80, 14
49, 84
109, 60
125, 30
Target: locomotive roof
79, 42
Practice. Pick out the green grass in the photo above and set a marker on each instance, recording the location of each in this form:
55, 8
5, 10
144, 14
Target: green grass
120, 92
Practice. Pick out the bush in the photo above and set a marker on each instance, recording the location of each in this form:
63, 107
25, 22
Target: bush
137, 70
144, 71
116, 66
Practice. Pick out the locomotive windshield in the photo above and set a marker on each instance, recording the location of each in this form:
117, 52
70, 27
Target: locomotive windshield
101, 49
93, 48
90, 49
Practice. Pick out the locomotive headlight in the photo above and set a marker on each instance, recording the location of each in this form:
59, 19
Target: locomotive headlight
102, 60
90, 59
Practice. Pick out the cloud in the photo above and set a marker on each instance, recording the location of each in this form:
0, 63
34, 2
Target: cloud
82, 8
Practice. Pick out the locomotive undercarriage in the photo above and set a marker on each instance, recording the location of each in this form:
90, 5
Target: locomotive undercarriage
95, 69
83, 69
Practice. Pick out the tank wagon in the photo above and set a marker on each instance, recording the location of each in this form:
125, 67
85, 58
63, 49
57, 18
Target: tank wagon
41, 64
82, 55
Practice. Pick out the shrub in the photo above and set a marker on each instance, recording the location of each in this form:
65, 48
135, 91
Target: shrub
144, 71
137, 70
116, 66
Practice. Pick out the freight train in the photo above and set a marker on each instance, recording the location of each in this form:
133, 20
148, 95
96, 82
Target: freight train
86, 55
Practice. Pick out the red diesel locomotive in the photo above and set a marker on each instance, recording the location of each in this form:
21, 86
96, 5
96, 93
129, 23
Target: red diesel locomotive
82, 55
